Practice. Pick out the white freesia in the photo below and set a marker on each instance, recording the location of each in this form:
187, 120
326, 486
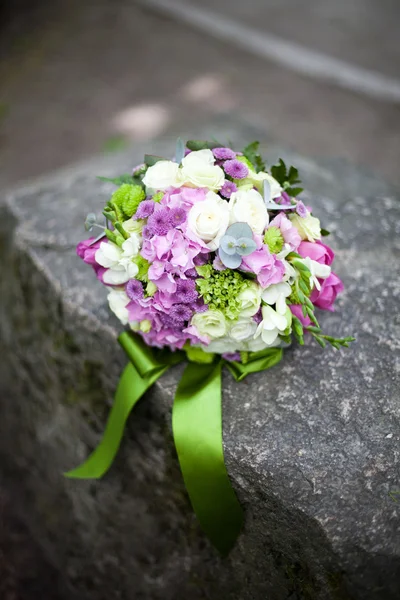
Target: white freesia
118, 300
317, 270
131, 246
108, 255
198, 170
290, 272
273, 324
209, 219
242, 329
308, 227
211, 323
118, 261
250, 300
162, 175
277, 294
248, 206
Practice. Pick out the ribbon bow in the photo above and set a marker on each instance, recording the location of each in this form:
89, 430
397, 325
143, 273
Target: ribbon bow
196, 425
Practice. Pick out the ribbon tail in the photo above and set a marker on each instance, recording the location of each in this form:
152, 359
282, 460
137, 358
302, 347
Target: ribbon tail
130, 389
197, 429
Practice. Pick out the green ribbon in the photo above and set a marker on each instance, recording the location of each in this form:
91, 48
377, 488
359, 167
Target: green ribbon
196, 425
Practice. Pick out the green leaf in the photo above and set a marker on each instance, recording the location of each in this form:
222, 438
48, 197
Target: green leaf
195, 145
294, 191
252, 154
150, 159
325, 232
126, 178
279, 172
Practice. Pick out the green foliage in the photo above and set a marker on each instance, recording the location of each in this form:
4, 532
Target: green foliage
252, 154
198, 355
287, 179
126, 178
143, 266
150, 159
325, 232
201, 145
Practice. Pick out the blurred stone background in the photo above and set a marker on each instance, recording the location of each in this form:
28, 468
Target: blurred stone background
82, 78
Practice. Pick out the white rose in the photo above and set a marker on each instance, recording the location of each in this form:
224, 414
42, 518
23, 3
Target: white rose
198, 170
248, 206
209, 219
250, 299
117, 301
211, 323
308, 227
162, 175
243, 329
133, 226
220, 346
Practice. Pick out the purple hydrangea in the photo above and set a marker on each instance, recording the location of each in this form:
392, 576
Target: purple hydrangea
145, 209
134, 289
236, 169
186, 291
159, 222
191, 273
301, 209
147, 233
177, 216
224, 153
227, 189
180, 313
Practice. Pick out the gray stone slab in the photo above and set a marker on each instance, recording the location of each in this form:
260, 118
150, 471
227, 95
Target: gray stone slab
312, 446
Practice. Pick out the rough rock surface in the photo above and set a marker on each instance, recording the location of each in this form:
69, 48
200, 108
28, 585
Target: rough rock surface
312, 446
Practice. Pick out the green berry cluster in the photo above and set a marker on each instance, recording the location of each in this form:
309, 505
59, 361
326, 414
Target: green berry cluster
220, 289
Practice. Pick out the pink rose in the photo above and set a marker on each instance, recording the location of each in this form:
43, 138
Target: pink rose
316, 251
326, 296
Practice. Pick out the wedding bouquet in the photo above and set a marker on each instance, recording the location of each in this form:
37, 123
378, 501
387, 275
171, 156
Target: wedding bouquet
209, 254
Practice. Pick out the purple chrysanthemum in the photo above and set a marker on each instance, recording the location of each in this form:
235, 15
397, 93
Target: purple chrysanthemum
145, 209
167, 321
224, 153
159, 222
134, 289
177, 216
186, 291
301, 209
199, 306
180, 313
227, 189
236, 169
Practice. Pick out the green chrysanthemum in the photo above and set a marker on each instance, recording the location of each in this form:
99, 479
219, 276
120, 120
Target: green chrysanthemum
274, 239
126, 199
220, 289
